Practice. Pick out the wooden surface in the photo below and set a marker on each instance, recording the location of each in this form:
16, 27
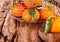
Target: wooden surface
14, 31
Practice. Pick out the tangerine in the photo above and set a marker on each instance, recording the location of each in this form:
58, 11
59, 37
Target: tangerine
46, 12
29, 3
17, 9
26, 16
56, 25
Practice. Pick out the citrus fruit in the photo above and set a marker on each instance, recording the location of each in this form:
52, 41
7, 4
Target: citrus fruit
26, 16
38, 2
29, 3
17, 9
56, 25
46, 12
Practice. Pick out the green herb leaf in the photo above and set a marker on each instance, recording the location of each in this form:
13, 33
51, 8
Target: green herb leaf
47, 25
32, 12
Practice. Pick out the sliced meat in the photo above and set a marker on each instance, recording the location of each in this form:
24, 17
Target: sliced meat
23, 33
9, 27
34, 33
2, 39
27, 33
46, 38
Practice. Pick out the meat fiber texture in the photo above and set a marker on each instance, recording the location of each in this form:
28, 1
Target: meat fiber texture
7, 24
27, 33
